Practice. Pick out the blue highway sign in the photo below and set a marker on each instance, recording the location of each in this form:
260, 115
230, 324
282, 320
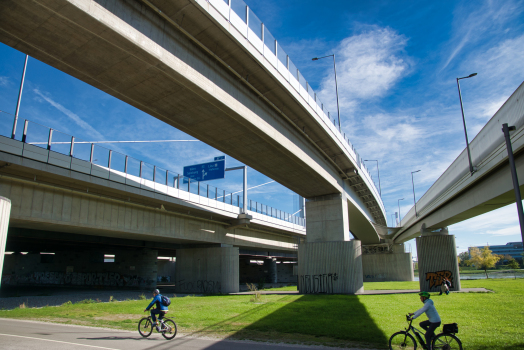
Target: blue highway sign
206, 171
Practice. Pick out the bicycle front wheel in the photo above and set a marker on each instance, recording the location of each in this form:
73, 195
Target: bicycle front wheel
169, 330
402, 341
145, 327
445, 341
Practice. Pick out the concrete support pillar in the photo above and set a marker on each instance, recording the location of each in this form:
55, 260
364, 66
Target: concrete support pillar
437, 258
387, 263
270, 265
5, 211
327, 219
207, 270
330, 267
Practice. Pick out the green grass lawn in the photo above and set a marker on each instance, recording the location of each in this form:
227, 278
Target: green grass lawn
486, 320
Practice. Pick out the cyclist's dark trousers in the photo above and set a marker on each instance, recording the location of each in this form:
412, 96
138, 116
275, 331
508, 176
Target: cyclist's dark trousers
160, 314
429, 327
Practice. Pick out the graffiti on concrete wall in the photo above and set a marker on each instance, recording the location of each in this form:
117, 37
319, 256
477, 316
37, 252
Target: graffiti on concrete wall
200, 286
316, 284
435, 278
95, 279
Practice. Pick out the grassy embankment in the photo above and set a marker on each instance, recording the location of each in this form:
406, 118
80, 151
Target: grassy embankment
486, 320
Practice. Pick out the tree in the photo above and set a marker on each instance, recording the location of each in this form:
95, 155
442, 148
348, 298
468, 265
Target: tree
513, 264
463, 258
482, 259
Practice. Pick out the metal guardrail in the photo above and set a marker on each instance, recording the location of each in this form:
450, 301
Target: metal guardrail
74, 153
253, 29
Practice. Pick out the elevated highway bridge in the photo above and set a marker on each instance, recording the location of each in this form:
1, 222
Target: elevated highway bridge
215, 72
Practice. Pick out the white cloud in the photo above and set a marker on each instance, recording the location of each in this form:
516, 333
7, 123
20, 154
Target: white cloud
4, 81
368, 65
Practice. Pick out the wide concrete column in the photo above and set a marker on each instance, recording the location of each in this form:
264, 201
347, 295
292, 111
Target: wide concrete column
5, 211
207, 270
327, 219
330, 267
386, 263
437, 258
270, 265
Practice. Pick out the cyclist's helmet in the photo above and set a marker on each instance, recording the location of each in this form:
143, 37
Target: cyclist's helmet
424, 294
156, 291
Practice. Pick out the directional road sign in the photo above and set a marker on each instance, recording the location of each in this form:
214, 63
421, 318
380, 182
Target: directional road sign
206, 171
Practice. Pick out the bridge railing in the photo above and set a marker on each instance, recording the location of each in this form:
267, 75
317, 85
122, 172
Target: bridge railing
54, 147
253, 29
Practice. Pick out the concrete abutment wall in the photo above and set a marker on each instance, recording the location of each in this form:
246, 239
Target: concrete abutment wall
395, 265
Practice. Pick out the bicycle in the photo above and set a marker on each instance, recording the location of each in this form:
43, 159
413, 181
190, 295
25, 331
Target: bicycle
443, 341
167, 327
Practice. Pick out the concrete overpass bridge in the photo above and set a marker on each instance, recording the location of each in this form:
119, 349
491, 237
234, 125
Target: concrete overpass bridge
214, 71
64, 200
459, 195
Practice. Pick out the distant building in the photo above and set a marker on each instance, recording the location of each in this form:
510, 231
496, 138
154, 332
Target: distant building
514, 249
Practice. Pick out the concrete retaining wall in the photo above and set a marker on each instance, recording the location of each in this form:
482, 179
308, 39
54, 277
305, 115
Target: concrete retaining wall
387, 267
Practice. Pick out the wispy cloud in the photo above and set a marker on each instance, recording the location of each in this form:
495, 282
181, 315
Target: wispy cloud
4, 81
73, 116
474, 19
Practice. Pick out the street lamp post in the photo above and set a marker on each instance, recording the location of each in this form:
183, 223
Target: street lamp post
378, 171
472, 169
413, 183
518, 199
19, 98
336, 84
399, 217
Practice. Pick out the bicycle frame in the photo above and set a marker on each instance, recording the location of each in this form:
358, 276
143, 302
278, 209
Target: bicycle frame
419, 334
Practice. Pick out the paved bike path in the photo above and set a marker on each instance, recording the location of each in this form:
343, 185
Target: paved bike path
21, 334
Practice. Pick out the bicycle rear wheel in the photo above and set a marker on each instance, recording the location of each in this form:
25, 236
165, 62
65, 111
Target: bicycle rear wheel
445, 341
169, 330
402, 341
145, 327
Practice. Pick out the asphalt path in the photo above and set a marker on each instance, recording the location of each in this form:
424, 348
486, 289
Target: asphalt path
21, 334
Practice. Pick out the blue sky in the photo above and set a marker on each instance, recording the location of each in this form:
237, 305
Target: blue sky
396, 63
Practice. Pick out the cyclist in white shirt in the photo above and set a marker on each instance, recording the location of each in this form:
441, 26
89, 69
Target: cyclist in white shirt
433, 321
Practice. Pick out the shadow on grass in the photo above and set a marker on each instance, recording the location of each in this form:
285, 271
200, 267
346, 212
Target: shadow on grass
333, 319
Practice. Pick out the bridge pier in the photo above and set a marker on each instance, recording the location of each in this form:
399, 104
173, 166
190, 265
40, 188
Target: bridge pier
386, 262
5, 210
437, 258
329, 262
207, 270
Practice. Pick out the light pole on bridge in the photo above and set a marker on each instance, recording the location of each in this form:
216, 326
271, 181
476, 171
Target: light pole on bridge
413, 183
399, 217
336, 84
472, 169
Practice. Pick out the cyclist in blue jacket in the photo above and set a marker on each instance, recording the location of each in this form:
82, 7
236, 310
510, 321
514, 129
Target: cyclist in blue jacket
160, 310
433, 321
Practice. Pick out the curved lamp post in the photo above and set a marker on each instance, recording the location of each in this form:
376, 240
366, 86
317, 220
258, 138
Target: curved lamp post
472, 169
336, 84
